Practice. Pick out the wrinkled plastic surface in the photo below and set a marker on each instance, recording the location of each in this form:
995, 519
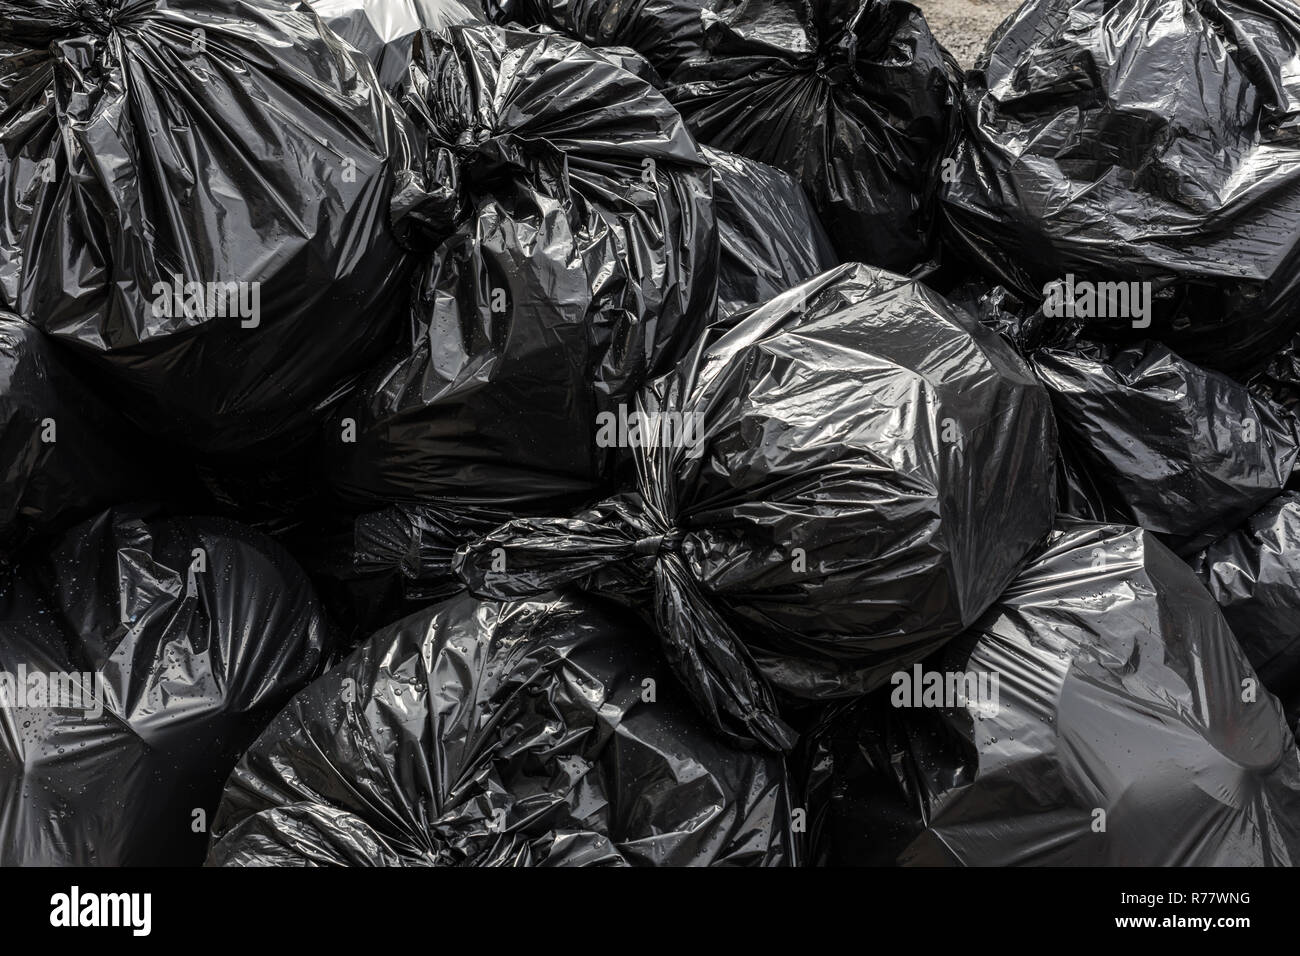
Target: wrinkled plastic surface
1254, 574
854, 98
574, 254
665, 32
628, 59
869, 468
1152, 140
1150, 439
65, 453
770, 238
153, 145
194, 664
501, 734
385, 30
378, 567
1278, 380
1120, 690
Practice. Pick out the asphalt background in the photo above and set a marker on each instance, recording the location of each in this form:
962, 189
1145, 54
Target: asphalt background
963, 25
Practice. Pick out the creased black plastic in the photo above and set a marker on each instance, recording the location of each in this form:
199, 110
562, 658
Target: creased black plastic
1122, 733
854, 98
665, 32
534, 733
205, 141
385, 30
1254, 574
869, 468
1278, 379
1150, 439
1148, 140
65, 453
769, 236
628, 59
575, 253
378, 567
194, 664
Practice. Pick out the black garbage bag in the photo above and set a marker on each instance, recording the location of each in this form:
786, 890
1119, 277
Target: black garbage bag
628, 59
576, 255
1100, 713
385, 30
1150, 439
769, 237
1151, 141
665, 32
140, 657
1254, 574
854, 98
840, 483
65, 453
1278, 379
533, 733
997, 308
375, 568
196, 199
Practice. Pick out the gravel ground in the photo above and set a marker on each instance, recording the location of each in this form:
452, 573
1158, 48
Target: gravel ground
963, 25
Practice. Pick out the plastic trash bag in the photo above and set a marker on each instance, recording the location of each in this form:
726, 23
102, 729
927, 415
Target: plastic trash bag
66, 454
769, 236
575, 253
1278, 380
665, 32
1150, 439
836, 486
375, 568
1124, 729
1151, 141
385, 30
172, 643
555, 737
1254, 574
628, 59
854, 98
624, 57
195, 198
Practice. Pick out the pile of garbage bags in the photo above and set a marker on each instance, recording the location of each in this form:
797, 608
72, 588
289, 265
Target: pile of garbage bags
1146, 142
218, 285
676, 433
143, 655
781, 548
1107, 716
485, 733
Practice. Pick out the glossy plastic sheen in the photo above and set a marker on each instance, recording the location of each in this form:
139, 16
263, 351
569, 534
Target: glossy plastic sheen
194, 663
385, 30
1145, 140
1125, 731
533, 733
854, 98
665, 32
869, 469
1254, 574
158, 143
573, 252
1150, 439
770, 238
